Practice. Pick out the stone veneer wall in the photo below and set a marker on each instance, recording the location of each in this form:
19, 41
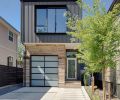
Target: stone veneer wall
113, 78
58, 50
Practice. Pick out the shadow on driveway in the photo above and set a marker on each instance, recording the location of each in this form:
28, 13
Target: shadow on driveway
9, 88
30, 93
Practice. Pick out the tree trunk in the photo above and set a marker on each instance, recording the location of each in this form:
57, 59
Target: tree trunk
104, 84
109, 90
92, 84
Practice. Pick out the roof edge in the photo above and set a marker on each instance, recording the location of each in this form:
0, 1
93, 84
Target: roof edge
2, 19
44, 0
113, 3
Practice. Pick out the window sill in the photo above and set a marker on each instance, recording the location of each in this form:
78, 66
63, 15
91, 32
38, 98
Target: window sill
51, 33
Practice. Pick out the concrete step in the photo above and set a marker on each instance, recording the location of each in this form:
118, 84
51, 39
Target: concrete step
73, 84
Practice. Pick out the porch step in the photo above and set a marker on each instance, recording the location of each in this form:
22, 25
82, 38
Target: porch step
73, 84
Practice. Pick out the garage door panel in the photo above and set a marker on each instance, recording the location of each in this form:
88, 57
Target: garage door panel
51, 58
51, 70
37, 58
51, 64
37, 82
37, 70
37, 64
51, 83
44, 71
37, 76
51, 77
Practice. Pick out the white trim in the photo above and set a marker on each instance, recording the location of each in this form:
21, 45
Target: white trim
10, 36
75, 67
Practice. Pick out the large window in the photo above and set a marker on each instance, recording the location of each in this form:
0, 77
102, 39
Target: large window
50, 20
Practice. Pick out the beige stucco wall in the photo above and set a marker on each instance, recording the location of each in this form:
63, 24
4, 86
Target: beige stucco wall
7, 48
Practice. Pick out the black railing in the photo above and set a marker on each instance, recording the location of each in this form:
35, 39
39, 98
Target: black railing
10, 75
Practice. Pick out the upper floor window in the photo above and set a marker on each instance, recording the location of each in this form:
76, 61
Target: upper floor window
50, 19
10, 36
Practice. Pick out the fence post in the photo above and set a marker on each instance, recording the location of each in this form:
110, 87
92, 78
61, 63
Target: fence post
16, 73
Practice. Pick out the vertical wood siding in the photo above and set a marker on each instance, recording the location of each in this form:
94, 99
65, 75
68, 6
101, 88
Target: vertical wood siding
28, 23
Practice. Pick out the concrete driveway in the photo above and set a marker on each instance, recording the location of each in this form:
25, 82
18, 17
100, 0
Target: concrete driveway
46, 93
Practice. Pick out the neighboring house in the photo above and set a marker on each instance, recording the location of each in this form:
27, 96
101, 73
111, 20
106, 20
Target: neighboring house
113, 76
50, 57
8, 43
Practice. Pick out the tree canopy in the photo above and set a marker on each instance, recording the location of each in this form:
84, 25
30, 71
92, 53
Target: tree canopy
99, 35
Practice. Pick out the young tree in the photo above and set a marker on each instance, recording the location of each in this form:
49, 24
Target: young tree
99, 36
21, 50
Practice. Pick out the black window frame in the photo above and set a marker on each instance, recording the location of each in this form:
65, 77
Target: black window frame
48, 7
44, 79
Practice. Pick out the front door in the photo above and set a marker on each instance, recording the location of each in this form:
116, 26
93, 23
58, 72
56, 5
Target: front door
71, 68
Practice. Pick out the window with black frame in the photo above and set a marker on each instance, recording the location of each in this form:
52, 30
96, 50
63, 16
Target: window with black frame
10, 34
50, 19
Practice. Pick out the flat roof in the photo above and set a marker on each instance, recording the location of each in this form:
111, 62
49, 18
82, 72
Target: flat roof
45, 0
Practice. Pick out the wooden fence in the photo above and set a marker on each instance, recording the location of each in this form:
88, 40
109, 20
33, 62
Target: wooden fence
10, 75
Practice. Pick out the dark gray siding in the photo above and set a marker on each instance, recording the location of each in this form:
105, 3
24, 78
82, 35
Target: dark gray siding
28, 23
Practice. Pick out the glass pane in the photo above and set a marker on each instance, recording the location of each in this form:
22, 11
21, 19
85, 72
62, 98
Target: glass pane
11, 38
71, 54
41, 20
37, 58
10, 34
37, 64
51, 76
51, 20
51, 58
51, 83
51, 70
37, 70
60, 21
37, 82
71, 68
51, 64
37, 76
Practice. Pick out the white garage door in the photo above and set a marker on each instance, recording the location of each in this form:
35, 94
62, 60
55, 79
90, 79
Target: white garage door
44, 70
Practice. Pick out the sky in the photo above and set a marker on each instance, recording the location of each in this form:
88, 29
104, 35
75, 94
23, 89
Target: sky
10, 11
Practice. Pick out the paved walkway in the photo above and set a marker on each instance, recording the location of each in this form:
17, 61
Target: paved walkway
46, 93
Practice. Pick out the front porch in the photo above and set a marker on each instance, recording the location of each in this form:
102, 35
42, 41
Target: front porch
68, 67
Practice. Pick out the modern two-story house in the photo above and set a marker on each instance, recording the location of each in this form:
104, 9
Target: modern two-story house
50, 56
8, 43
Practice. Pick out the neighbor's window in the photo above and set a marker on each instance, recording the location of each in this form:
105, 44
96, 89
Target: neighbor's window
50, 20
10, 36
10, 61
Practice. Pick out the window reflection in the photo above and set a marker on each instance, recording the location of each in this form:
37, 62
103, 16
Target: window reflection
60, 20
50, 20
